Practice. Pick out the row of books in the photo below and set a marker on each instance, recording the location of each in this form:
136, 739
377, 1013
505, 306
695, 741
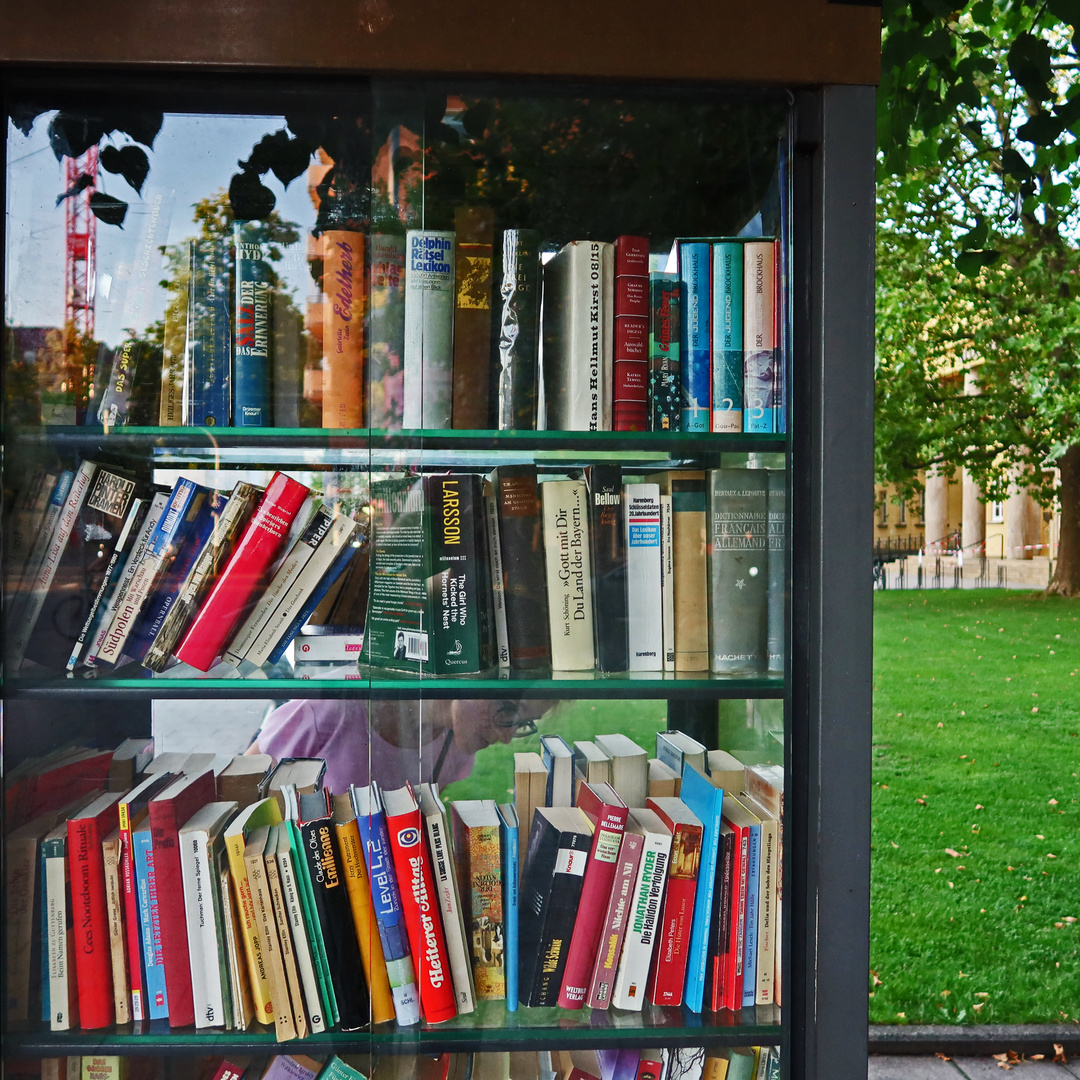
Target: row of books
681, 570
676, 571
471, 328
103, 570
677, 1063
307, 910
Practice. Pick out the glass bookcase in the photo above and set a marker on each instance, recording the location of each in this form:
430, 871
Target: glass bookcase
287, 213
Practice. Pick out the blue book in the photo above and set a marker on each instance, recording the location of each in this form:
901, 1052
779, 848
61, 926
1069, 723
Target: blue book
696, 373
706, 800
386, 902
727, 336
210, 344
251, 334
199, 526
753, 887
511, 889
142, 852
558, 759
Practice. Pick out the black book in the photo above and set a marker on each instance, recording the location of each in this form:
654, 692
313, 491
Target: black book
327, 875
720, 919
559, 845
607, 540
131, 395
521, 538
475, 229
738, 571
518, 331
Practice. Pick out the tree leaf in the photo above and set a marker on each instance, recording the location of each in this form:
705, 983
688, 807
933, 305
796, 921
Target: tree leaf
971, 262
1068, 11
1029, 65
71, 135
23, 116
251, 199
139, 125
106, 208
84, 181
1014, 164
976, 238
130, 162
1041, 130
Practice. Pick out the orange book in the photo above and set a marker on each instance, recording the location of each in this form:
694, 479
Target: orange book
359, 890
344, 311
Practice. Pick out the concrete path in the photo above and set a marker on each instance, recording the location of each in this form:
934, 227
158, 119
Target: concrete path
911, 1067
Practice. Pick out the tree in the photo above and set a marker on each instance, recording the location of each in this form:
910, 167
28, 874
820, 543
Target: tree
979, 267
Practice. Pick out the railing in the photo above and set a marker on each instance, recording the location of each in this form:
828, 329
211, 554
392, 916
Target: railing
897, 547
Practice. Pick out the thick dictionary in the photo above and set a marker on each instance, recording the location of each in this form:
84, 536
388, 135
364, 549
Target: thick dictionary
254, 554
429, 328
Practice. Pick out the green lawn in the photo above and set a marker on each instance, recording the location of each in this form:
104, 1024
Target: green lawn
976, 821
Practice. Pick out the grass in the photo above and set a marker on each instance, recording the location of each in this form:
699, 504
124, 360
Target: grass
976, 820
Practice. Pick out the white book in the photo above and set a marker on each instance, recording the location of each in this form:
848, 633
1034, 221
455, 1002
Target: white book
647, 897
676, 748
328, 547
446, 887
498, 584
667, 579
429, 329
629, 767
61, 981
295, 561
768, 926
759, 333
305, 960
569, 574
25, 619
16, 599
202, 911
578, 336
138, 552
644, 588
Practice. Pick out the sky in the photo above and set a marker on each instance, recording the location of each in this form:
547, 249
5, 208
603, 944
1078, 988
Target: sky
193, 156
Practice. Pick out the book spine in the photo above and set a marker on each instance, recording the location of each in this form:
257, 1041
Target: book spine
759, 336
706, 801
630, 388
22, 528
114, 907
240, 1002
595, 891
669, 972
446, 888
420, 908
389, 917
301, 939
511, 863
750, 935
644, 576
177, 361
498, 580
132, 926
20, 871
480, 863
616, 919
134, 561
270, 945
667, 580
569, 574
429, 329
210, 345
475, 227
114, 410
455, 584
27, 616
252, 333
767, 924
387, 330
720, 924
249, 931
733, 988
607, 333
294, 993
690, 569
61, 990
93, 963
694, 347
367, 934
727, 336
607, 541
263, 538
344, 312
206, 989
519, 331
776, 506
738, 570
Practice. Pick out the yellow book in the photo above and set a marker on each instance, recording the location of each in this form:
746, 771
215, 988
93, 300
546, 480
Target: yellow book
359, 890
715, 1068
281, 917
264, 812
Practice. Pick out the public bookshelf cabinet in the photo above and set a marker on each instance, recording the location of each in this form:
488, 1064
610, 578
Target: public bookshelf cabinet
632, 154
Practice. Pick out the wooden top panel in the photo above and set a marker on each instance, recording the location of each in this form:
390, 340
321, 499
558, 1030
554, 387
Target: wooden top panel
797, 42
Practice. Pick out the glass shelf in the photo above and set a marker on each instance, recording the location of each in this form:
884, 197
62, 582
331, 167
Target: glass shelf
490, 1028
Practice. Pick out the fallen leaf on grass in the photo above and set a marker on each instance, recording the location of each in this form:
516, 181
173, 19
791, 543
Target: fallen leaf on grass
944, 1057
953, 852
1036, 1057
922, 802
1059, 1054
1053, 802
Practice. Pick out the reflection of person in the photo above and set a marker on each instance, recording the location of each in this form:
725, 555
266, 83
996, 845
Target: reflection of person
399, 645
393, 741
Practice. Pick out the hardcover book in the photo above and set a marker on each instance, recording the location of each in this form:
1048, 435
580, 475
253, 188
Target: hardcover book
644, 576
629, 767
630, 387
569, 574
615, 921
209, 335
607, 541
511, 867
759, 335
253, 315
387, 330
344, 314
695, 374
475, 229
776, 505
429, 329
518, 331
727, 336
738, 570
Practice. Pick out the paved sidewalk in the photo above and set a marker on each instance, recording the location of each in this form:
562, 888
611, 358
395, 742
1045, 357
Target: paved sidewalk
911, 1067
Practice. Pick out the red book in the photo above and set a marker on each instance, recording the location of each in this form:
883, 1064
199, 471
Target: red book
649, 1068
90, 920
614, 925
55, 783
168, 811
668, 975
419, 904
731, 995
607, 812
630, 408
245, 571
